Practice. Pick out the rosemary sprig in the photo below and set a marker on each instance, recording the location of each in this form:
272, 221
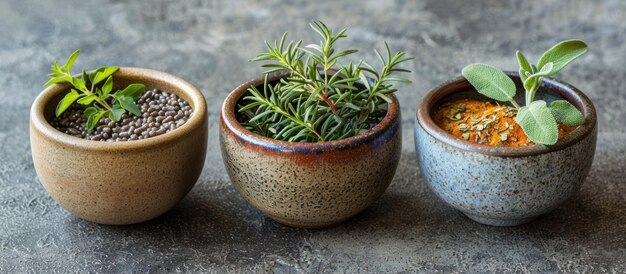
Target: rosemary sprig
321, 100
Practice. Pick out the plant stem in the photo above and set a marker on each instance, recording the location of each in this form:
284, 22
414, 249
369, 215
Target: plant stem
516, 105
294, 119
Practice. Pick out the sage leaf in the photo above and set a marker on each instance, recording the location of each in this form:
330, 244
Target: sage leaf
66, 102
530, 83
538, 123
522, 75
562, 54
523, 62
546, 70
565, 113
490, 81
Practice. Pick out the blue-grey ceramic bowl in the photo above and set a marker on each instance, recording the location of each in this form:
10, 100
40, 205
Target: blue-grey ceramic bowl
504, 186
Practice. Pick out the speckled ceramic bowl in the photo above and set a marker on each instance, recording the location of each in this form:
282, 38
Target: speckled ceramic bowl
504, 186
310, 185
121, 182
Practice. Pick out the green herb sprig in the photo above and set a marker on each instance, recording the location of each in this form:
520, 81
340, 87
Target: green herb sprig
93, 89
321, 100
537, 119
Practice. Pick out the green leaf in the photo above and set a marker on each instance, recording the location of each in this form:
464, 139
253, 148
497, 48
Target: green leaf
66, 102
116, 113
384, 97
566, 114
562, 54
107, 87
90, 110
85, 76
490, 81
538, 123
522, 75
94, 118
87, 99
530, 82
132, 90
79, 84
128, 103
546, 70
102, 74
53, 81
523, 62
70, 61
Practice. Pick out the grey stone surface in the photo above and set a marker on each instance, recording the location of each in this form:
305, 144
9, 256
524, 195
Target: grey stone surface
214, 230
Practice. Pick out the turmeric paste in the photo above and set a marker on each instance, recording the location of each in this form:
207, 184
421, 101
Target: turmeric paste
484, 122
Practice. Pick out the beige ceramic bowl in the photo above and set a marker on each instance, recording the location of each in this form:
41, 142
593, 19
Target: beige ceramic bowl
310, 185
120, 182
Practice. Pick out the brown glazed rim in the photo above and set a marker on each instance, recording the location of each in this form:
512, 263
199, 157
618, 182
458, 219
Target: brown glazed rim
192, 95
229, 120
567, 91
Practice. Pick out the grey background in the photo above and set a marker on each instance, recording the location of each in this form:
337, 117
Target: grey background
213, 229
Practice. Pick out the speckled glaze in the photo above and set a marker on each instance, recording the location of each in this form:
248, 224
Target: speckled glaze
121, 182
504, 186
310, 185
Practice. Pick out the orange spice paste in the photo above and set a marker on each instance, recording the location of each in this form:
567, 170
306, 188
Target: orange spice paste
484, 122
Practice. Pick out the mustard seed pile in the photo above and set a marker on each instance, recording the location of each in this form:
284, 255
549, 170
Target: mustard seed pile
162, 112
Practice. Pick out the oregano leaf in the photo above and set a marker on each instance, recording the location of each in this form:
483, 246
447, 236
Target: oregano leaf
128, 103
132, 90
562, 54
94, 118
116, 113
566, 114
70, 61
90, 110
107, 87
79, 83
86, 100
53, 81
102, 74
490, 81
66, 102
538, 123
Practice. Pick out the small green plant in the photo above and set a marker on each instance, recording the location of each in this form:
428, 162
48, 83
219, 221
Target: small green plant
321, 100
93, 90
537, 119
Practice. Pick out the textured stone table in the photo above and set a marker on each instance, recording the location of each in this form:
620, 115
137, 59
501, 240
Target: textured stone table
213, 229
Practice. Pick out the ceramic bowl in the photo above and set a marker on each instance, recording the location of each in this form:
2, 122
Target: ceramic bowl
120, 182
309, 185
504, 186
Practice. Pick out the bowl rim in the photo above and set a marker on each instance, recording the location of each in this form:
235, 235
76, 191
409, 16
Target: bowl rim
230, 123
197, 101
459, 84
